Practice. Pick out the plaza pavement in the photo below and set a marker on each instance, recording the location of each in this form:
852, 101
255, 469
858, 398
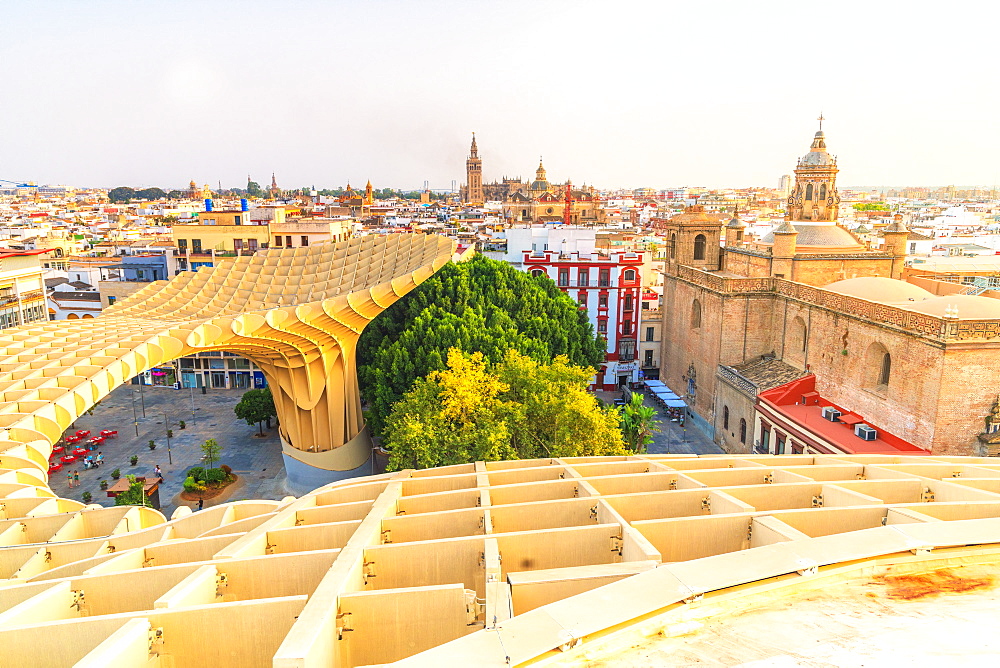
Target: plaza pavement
257, 461
672, 437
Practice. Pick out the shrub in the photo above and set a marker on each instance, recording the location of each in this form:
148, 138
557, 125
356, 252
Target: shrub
117, 473
181, 424
215, 476
134, 459
170, 433
87, 497
104, 484
152, 446
197, 472
192, 485
228, 469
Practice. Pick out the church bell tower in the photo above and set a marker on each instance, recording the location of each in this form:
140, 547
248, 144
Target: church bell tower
474, 176
815, 196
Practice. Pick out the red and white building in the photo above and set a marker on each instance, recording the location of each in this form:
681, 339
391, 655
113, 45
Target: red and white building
608, 286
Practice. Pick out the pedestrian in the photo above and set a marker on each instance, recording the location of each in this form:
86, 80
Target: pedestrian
69, 478
76, 478
201, 503
100, 457
157, 472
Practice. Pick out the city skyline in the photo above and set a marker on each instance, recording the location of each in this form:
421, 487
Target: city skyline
718, 95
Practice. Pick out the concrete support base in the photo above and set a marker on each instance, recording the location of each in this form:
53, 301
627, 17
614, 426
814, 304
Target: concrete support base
305, 471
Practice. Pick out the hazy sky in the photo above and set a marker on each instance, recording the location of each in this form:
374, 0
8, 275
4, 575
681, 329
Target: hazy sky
614, 93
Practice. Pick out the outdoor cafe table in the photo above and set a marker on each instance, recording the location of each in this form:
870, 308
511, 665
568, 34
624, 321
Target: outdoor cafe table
80, 451
56, 450
97, 440
71, 439
107, 433
83, 433
68, 459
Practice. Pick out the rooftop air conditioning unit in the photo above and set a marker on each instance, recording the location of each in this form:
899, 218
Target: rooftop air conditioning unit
865, 432
830, 413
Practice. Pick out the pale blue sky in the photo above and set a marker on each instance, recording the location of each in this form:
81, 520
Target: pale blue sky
613, 93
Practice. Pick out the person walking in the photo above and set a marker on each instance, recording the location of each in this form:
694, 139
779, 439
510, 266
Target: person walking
100, 457
157, 472
76, 478
69, 478
201, 503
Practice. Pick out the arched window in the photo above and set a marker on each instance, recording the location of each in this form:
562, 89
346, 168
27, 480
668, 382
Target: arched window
673, 246
725, 417
886, 370
743, 430
630, 275
809, 191
699, 247
805, 337
877, 368
696, 314
536, 272
822, 191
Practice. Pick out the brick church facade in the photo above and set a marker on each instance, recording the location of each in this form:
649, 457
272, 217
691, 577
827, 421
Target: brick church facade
811, 299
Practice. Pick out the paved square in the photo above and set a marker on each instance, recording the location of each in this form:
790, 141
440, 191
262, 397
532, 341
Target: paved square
257, 461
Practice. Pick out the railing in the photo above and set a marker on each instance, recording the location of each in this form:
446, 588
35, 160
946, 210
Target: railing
32, 294
735, 378
725, 284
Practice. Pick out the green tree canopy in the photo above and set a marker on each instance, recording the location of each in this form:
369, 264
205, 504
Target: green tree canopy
638, 424
121, 194
871, 206
256, 406
210, 451
482, 305
135, 495
516, 409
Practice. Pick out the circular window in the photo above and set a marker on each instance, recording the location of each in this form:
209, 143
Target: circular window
548, 210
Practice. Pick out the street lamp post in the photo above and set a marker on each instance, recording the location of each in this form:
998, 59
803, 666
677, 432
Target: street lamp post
142, 398
166, 425
135, 416
193, 420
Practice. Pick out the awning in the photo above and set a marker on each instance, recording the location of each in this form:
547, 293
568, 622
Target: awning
675, 403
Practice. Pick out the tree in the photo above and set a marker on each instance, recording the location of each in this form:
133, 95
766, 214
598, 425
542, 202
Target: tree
121, 194
517, 409
638, 424
551, 412
450, 417
481, 305
255, 407
210, 450
871, 206
253, 189
135, 495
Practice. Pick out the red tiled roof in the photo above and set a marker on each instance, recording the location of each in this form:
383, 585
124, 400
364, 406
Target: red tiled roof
6, 252
784, 402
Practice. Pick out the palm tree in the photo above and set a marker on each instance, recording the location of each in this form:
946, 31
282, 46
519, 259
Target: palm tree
638, 423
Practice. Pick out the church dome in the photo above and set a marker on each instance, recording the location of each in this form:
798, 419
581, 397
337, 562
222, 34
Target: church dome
823, 238
879, 289
817, 155
963, 307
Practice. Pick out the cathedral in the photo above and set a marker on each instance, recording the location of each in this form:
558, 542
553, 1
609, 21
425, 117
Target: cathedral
536, 202
811, 301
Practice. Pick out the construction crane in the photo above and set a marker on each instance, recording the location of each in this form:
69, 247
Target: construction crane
19, 184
